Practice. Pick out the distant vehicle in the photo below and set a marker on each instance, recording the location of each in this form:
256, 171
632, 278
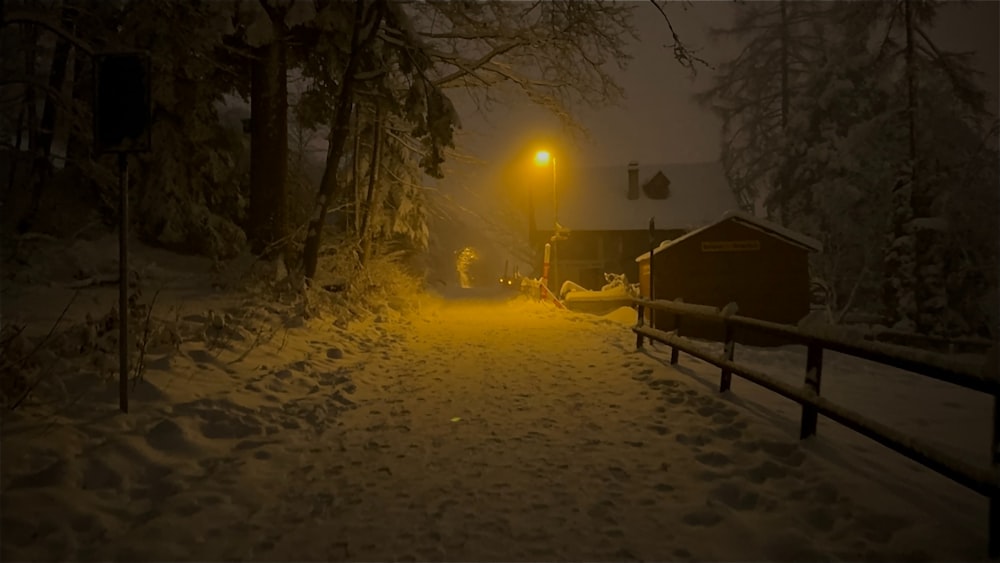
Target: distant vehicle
513, 281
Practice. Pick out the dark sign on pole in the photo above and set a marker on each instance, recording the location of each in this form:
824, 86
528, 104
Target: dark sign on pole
122, 124
122, 102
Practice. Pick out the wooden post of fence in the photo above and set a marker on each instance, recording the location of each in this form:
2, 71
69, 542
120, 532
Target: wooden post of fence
814, 373
994, 523
674, 352
992, 371
994, 531
727, 376
652, 279
638, 322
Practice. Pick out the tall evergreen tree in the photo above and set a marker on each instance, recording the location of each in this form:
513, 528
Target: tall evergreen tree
868, 132
752, 95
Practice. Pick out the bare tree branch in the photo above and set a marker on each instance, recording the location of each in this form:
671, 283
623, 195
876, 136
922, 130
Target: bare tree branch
685, 56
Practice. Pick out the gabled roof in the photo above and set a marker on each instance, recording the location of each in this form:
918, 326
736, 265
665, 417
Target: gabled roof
596, 198
748, 220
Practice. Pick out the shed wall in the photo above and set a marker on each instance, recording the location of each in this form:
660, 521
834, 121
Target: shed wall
766, 276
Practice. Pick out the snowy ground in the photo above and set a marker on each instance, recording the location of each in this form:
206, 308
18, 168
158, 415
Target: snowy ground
474, 428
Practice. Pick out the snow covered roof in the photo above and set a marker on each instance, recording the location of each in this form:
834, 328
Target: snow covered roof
748, 220
596, 198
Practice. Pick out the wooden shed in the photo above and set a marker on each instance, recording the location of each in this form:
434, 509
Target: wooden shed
761, 266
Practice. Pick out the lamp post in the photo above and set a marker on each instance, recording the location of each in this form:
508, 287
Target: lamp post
543, 158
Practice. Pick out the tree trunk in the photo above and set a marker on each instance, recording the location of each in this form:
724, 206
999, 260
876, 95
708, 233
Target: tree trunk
930, 292
784, 170
267, 214
82, 93
900, 282
911, 90
356, 172
30, 55
366, 220
41, 168
15, 158
339, 131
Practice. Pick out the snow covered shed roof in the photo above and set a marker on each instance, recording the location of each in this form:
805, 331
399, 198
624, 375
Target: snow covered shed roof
597, 198
748, 220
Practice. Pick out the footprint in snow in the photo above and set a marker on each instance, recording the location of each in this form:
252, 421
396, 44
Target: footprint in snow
201, 356
766, 470
820, 518
728, 432
704, 517
786, 453
662, 383
619, 474
713, 459
681, 553
168, 436
735, 496
659, 429
688, 440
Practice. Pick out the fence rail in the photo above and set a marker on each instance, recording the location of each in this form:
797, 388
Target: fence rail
943, 344
983, 480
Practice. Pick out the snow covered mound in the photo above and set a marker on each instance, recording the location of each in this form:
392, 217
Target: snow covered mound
624, 315
617, 293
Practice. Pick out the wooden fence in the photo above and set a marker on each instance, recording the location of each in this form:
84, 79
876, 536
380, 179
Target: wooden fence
983, 480
937, 343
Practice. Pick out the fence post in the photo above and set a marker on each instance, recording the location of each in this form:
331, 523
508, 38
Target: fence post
674, 352
638, 323
727, 376
814, 374
994, 524
992, 372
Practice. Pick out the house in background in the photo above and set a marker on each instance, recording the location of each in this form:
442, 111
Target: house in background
607, 211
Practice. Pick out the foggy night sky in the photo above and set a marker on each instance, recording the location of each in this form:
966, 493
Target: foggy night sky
658, 121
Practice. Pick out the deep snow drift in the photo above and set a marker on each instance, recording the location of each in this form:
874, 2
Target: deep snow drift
484, 428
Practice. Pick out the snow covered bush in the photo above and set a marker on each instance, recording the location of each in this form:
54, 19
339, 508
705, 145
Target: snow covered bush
385, 283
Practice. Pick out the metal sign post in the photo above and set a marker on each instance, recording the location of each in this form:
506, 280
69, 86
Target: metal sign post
123, 358
652, 248
122, 115
545, 264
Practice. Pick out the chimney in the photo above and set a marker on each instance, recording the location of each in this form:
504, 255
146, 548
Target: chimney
633, 180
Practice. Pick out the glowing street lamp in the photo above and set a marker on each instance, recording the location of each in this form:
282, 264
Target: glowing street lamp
545, 158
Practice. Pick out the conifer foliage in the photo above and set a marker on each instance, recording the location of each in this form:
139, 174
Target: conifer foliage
846, 121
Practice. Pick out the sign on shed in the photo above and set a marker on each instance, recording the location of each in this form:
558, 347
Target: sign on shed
730, 245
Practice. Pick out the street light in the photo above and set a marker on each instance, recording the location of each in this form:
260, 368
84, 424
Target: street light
544, 158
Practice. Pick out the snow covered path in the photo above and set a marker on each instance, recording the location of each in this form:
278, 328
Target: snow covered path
483, 430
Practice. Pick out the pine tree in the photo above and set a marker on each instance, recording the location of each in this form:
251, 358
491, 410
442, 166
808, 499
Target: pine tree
916, 294
752, 95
